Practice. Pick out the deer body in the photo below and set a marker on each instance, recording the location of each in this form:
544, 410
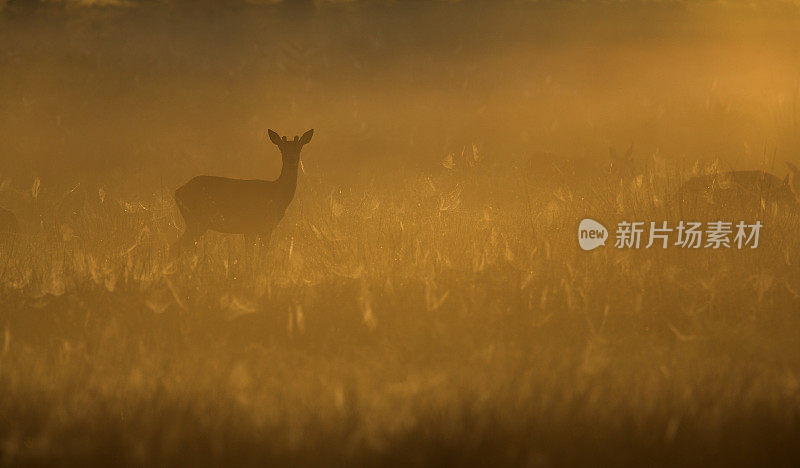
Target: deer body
742, 186
239, 206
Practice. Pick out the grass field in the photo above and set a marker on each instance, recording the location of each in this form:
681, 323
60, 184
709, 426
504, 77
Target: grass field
396, 327
424, 302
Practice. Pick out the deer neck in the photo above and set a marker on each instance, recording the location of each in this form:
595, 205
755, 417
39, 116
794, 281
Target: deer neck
288, 181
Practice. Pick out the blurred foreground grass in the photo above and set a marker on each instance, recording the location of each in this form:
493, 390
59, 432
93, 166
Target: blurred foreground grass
440, 319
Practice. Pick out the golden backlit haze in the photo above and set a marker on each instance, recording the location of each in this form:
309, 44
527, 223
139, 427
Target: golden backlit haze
424, 300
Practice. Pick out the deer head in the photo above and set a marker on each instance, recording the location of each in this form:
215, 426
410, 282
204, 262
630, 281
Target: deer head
290, 149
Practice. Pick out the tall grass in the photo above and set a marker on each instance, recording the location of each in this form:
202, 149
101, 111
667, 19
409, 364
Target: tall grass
432, 319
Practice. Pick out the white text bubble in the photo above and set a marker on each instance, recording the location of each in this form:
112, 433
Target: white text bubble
591, 234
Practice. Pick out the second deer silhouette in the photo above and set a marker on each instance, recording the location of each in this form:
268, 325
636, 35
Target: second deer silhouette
742, 187
238, 206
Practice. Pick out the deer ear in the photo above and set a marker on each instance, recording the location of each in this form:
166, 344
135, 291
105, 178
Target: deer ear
793, 168
307, 137
274, 137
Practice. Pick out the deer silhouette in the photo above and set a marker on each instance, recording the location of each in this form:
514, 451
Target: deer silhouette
744, 186
239, 206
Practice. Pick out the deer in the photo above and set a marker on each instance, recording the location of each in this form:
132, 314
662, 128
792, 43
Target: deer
744, 186
239, 206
